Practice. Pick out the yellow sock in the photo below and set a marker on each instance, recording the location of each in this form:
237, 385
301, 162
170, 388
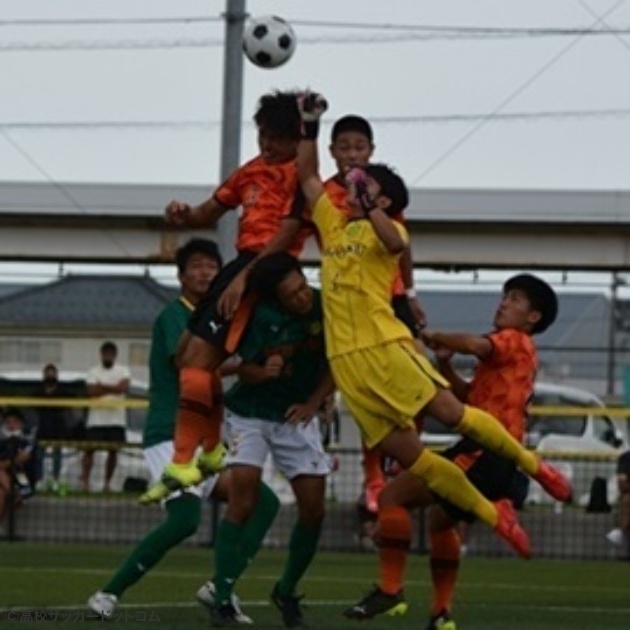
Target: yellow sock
491, 434
449, 481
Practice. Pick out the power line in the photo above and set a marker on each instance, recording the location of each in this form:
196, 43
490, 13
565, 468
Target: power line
160, 43
511, 97
140, 125
104, 21
534, 31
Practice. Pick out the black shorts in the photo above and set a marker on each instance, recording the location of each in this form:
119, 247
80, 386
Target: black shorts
105, 434
402, 310
494, 476
205, 322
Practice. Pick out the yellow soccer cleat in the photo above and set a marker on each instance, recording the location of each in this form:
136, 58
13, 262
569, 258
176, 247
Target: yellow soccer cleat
377, 602
213, 462
174, 477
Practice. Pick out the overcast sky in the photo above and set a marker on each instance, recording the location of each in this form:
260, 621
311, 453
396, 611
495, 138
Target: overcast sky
572, 89
392, 76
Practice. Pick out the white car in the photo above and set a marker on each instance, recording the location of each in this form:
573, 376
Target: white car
596, 437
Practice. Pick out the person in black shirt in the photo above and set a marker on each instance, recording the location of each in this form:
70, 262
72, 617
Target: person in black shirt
52, 424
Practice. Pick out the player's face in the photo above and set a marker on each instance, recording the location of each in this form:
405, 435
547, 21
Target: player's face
350, 149
200, 271
275, 149
515, 311
295, 295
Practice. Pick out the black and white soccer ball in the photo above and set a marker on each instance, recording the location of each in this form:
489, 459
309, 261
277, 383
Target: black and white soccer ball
268, 41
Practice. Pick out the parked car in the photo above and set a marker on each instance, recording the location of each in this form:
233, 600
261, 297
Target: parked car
592, 441
130, 460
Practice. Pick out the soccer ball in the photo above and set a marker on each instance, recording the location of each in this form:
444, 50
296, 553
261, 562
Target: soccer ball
268, 41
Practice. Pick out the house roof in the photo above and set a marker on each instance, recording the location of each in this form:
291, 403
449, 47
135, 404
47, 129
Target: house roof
85, 303
576, 345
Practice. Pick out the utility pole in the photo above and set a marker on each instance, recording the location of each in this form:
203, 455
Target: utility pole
616, 282
235, 16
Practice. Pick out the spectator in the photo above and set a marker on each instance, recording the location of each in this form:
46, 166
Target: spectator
620, 534
52, 424
105, 382
16, 451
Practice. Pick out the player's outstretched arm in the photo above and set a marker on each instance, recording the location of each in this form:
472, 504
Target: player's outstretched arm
462, 343
206, 214
311, 107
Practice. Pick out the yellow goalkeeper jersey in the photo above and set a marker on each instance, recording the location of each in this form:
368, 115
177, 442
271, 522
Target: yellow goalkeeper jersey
356, 275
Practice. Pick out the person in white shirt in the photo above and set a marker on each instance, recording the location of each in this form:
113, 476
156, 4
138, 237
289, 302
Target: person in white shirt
107, 381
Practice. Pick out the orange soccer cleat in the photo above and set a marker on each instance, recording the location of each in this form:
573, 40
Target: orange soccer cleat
510, 529
553, 482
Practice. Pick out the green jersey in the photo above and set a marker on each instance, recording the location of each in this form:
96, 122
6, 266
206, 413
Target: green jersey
300, 342
164, 377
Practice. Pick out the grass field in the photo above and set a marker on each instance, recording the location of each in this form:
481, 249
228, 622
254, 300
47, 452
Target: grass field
507, 594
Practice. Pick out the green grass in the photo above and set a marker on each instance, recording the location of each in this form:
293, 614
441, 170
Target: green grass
507, 594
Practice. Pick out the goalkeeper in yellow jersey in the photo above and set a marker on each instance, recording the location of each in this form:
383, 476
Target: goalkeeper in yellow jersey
384, 382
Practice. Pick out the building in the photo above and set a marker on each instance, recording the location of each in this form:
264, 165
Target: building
65, 322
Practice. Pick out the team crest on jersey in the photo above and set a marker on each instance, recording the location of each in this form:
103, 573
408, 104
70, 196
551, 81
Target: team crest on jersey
353, 228
315, 328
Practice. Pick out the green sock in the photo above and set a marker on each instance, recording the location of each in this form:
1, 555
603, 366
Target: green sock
259, 523
236, 544
183, 518
302, 548
228, 558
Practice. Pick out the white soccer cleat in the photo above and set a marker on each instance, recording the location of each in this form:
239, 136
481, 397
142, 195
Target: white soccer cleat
615, 536
103, 604
206, 596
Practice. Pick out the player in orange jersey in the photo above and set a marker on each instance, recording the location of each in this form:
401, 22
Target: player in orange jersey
352, 144
264, 188
502, 385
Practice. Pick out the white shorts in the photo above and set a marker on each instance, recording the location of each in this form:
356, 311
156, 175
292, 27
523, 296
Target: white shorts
159, 455
295, 450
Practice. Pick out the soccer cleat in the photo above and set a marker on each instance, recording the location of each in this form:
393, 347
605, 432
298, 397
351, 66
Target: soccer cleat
289, 607
615, 537
553, 482
377, 602
103, 604
213, 461
442, 621
510, 530
372, 490
223, 615
206, 596
174, 477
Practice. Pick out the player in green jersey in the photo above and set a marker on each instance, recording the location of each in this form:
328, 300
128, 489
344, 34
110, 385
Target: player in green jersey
283, 381
198, 262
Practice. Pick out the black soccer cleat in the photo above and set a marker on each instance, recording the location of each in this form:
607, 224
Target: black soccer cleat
223, 615
377, 602
289, 607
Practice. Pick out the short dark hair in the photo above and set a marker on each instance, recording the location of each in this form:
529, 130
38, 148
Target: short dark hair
269, 272
109, 346
197, 246
392, 186
50, 366
278, 113
541, 296
354, 123
13, 412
